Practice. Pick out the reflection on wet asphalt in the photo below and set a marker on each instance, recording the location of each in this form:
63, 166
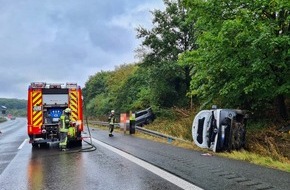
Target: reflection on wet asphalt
49, 168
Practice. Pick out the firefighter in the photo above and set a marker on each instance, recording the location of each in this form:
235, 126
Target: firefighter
65, 120
111, 120
132, 122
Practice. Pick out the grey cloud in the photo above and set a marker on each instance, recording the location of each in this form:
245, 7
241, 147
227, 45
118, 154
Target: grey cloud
113, 39
68, 40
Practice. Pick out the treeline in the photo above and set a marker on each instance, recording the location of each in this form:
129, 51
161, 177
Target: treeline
234, 54
16, 107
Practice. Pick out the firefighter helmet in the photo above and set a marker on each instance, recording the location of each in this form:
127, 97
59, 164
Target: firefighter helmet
67, 110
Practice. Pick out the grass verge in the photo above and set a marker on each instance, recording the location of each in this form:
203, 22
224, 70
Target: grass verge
2, 119
265, 158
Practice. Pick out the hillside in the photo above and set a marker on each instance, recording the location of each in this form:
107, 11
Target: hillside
16, 107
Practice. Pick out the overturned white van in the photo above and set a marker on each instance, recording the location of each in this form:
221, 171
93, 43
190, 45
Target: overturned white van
220, 129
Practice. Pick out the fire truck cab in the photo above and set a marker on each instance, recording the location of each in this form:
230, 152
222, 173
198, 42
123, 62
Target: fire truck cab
46, 103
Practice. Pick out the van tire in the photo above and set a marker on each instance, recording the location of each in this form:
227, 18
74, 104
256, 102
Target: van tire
148, 121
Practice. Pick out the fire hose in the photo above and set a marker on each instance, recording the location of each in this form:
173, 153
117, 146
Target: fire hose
92, 146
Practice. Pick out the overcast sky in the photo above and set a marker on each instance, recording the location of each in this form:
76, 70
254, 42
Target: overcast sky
66, 40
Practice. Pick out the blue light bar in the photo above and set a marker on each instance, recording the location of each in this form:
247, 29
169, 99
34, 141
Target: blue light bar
55, 113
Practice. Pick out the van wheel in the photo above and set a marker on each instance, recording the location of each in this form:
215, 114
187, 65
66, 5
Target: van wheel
237, 136
148, 121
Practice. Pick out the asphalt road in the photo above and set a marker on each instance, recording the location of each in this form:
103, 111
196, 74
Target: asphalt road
122, 162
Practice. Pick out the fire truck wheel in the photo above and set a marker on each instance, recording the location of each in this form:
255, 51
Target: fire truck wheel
44, 145
78, 143
35, 145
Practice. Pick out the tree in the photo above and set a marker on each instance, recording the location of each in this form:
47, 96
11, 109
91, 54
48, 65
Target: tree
110, 90
243, 55
95, 85
120, 96
135, 94
171, 35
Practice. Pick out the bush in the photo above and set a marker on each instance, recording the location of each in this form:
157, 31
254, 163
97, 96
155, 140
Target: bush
2, 119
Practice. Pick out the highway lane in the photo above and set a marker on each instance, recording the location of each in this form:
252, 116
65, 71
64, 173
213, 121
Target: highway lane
208, 172
49, 168
106, 168
9, 146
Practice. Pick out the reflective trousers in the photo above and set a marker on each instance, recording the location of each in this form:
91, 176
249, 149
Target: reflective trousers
63, 140
111, 128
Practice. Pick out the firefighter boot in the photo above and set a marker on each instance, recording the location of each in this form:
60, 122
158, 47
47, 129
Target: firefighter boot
63, 144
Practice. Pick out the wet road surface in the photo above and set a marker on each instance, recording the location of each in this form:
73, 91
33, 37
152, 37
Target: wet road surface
49, 168
208, 172
111, 167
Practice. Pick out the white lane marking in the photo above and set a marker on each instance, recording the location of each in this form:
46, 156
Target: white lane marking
22, 144
165, 175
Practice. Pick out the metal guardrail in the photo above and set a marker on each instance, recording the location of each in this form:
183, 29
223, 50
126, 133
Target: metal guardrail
103, 123
155, 133
141, 129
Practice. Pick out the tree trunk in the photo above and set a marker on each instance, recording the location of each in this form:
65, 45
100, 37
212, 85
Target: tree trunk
187, 77
282, 108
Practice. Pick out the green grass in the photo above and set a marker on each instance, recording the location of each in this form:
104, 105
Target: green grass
243, 155
258, 159
2, 119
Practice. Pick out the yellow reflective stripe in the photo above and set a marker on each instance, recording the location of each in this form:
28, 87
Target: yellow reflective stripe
62, 118
37, 114
37, 118
73, 104
36, 98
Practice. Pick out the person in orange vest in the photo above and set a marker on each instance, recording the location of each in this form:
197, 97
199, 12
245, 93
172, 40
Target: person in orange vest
111, 120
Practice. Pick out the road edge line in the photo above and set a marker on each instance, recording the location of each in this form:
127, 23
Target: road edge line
22, 144
162, 173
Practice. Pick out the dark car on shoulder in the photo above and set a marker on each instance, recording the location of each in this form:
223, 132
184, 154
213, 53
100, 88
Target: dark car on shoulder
144, 117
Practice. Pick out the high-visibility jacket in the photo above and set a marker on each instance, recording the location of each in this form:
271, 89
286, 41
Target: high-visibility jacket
112, 119
64, 123
132, 117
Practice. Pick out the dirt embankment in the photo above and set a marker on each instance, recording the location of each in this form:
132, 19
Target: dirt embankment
270, 142
265, 140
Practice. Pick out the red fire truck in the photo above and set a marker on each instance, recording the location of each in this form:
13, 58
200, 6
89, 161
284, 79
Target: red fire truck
46, 103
